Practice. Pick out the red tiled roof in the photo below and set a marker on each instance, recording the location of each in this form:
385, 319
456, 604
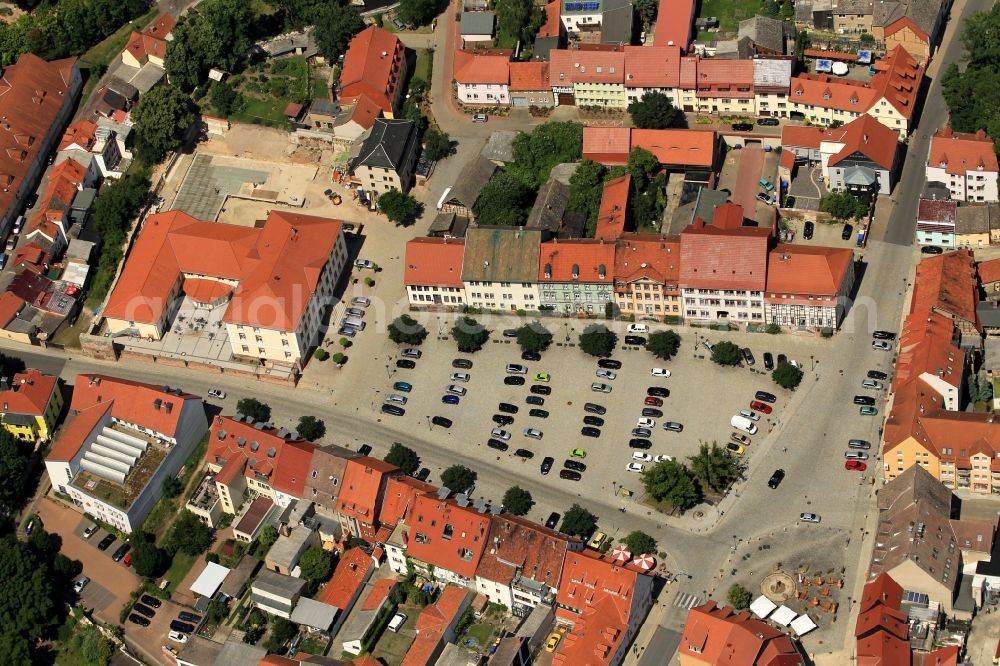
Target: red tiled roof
648, 256
380, 590
162, 26
576, 66
652, 66
277, 266
133, 402
989, 270
947, 283
433, 623
49, 219
372, 67
925, 347
32, 93
519, 545
677, 147
434, 262
724, 258
80, 133
30, 393
30, 255
581, 260
716, 73
552, 25
614, 204
607, 145
720, 635
366, 111
284, 461
871, 138
431, 519
940, 211
351, 573
806, 271
398, 498
10, 305
361, 492
532, 75
78, 428
800, 136
481, 68
676, 31
959, 152
142, 46
882, 591
830, 55
255, 515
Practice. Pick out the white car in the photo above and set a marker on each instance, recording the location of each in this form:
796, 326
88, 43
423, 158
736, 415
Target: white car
516, 369
217, 393
809, 517
395, 397
598, 387
533, 433
638, 328
362, 301
364, 263
749, 414
642, 456
663, 457
460, 377
455, 389
500, 433
177, 637
80, 583
635, 467
606, 374
883, 345
645, 423
660, 372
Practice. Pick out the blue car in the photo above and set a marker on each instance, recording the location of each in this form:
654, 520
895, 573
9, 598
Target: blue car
449, 399
405, 387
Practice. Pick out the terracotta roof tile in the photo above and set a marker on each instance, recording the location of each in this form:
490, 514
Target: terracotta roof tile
607, 145
361, 492
677, 30
399, 497
49, 218
648, 256
868, 136
133, 402
722, 635
433, 623
947, 283
30, 393
446, 535
529, 76
576, 66
717, 73
353, 569
552, 25
959, 153
678, 147
80, 133
724, 258
806, 271
614, 204
372, 67
284, 461
434, 262
652, 66
476, 68
989, 271
580, 260
10, 305
77, 430
521, 546
380, 590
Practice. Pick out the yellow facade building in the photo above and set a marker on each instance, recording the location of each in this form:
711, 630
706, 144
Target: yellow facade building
30, 406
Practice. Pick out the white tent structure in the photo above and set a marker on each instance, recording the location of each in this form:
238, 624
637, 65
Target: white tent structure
210, 580
783, 616
802, 625
762, 607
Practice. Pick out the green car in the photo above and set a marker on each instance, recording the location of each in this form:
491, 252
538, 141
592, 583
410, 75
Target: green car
577, 453
539, 413
867, 410
542, 376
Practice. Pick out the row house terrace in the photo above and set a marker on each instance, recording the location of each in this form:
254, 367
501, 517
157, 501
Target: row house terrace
647, 268
575, 277
965, 163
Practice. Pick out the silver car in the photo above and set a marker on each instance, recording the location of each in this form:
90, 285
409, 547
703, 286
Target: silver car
362, 301
533, 433
500, 433
455, 389
606, 374
809, 517
395, 397
355, 312
598, 387
460, 377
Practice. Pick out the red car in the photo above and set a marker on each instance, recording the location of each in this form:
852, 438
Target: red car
653, 401
855, 464
759, 406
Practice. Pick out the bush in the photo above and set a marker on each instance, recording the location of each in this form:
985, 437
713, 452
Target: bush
321, 354
772, 329
640, 542
339, 358
739, 597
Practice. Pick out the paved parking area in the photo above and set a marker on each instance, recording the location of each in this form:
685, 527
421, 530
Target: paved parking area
807, 187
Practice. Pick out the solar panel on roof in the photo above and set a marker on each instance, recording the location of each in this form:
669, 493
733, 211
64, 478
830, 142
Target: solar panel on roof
824, 65
864, 56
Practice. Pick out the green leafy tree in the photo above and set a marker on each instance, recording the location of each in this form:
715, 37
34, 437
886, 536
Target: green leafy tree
189, 535
253, 408
640, 543
406, 330
316, 564
282, 631
985, 389
787, 376
597, 340
517, 501
843, 206
577, 521
148, 559
458, 478
671, 482
91, 644
310, 428
642, 166
504, 200
469, 335
225, 99
403, 457
533, 337
172, 487
335, 25
161, 116
647, 10
417, 12
29, 599
268, 535
13, 466
973, 386
437, 144
712, 468
726, 353
654, 110
518, 18
586, 187
548, 144
398, 207
663, 344
739, 597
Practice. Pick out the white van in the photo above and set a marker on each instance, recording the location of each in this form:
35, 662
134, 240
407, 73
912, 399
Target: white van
397, 622
638, 328
353, 322
744, 424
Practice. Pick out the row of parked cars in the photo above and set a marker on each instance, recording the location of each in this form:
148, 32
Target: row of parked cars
354, 317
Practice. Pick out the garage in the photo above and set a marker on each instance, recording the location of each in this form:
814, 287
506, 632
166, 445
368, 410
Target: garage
565, 99
519, 102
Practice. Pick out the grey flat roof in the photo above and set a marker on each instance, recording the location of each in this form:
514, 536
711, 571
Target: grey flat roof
278, 584
315, 614
478, 23
238, 653
286, 548
500, 147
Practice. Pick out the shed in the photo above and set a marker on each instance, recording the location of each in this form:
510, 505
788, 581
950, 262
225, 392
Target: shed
210, 580
314, 614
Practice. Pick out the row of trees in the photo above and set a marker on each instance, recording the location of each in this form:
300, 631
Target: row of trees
844, 206
972, 92
114, 209
683, 486
308, 427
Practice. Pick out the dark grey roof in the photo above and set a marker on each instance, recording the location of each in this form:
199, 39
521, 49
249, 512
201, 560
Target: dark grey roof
500, 147
501, 253
324, 107
764, 31
544, 46
238, 653
477, 23
387, 143
804, 12
315, 614
450, 224
936, 190
923, 13
472, 181
988, 312
976, 219
617, 21
123, 88
278, 585
550, 204
706, 202
862, 7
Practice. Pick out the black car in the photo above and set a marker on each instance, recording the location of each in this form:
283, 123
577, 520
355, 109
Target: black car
441, 421
538, 413
406, 364
570, 475
782, 359
531, 356
658, 391
135, 618
636, 340
507, 408
502, 419
106, 542
535, 400
365, 449
877, 374
152, 602
807, 232
463, 363
931, 249
183, 627
639, 443
513, 380
764, 396
768, 121
422, 475
552, 520
609, 364
768, 361
524, 453
652, 412
540, 389
189, 617
347, 227
883, 335
587, 431
510, 332
864, 400
846, 233
144, 610
120, 552
593, 408
742, 127
395, 410
547, 463
575, 465
593, 421
776, 478
748, 356
497, 444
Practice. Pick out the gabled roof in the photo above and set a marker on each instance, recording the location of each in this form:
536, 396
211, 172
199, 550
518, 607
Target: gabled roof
583, 261
477, 23
648, 256
552, 25
387, 144
614, 204
959, 153
677, 30
652, 66
280, 457
494, 254
947, 283
868, 136
65, 180
677, 147
399, 496
531, 75
764, 31
607, 145
353, 569
721, 635
989, 271
523, 548
371, 67
447, 535
926, 349
432, 625
807, 270
474, 178
724, 258
29, 394
80, 133
434, 262
578, 66
142, 46
481, 68
361, 492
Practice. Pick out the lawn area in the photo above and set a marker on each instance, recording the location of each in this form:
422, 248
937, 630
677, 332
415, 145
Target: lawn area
105, 51
179, 567
730, 13
319, 81
268, 87
481, 632
70, 336
424, 66
312, 646
392, 646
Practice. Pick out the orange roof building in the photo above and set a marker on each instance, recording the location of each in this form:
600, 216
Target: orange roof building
374, 67
576, 276
677, 31
348, 580
47, 227
966, 163
150, 45
80, 136
715, 635
647, 268
603, 605
808, 285
529, 81
121, 440
678, 148
436, 626
447, 538
607, 145
947, 284
433, 272
30, 404
359, 503
399, 498
613, 213
269, 278
482, 78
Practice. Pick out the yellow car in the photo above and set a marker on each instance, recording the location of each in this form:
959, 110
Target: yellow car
597, 540
542, 376
170, 649
550, 645
735, 448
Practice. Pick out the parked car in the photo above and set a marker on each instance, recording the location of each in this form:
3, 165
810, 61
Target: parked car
135, 618
410, 352
143, 609
577, 453
635, 340
531, 356
750, 414
524, 453
181, 627
642, 432
508, 408
575, 465
404, 387
513, 380
347, 332
638, 328
441, 421
733, 447
882, 345
516, 369
362, 301
120, 552
80, 583
365, 449
405, 364
639, 443
645, 422
642, 457
807, 231
868, 410
216, 393
552, 520
742, 127
659, 372
542, 377
355, 312
364, 263
809, 517
877, 374
768, 121
500, 433
932, 249
672, 426
761, 407
847, 232
609, 363
768, 361
534, 400
539, 389
462, 363
855, 465
497, 444
594, 408
480, 118
653, 401
604, 373
748, 356
883, 335
177, 637
638, 468
652, 412
394, 410
538, 413
532, 433
764, 396
864, 400
455, 389
450, 399
570, 475
658, 391
588, 431
871, 384
598, 387
90, 530
396, 398
776, 478
764, 198
740, 438
510, 332
422, 474
546, 465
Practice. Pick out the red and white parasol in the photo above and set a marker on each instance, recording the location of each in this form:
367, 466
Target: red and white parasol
646, 561
620, 553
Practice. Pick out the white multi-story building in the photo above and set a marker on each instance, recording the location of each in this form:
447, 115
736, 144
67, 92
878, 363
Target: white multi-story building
482, 79
500, 268
965, 163
577, 276
433, 272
